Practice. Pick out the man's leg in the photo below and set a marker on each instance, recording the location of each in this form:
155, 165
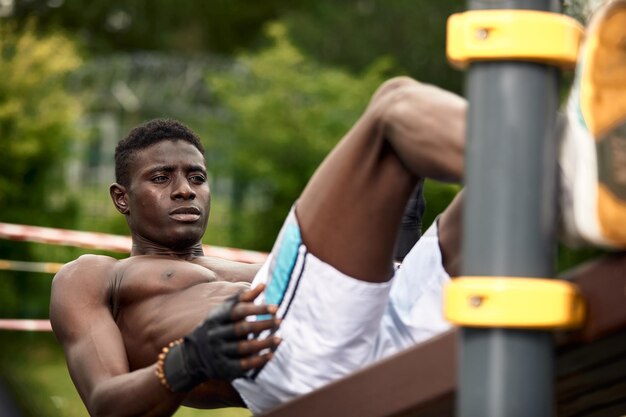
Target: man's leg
410, 229
350, 211
348, 217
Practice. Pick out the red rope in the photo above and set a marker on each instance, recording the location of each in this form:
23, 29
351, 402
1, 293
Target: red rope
103, 241
26, 325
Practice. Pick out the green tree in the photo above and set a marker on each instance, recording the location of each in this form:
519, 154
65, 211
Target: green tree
282, 113
188, 26
353, 33
38, 122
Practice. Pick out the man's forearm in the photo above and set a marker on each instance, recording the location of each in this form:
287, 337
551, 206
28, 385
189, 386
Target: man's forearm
138, 393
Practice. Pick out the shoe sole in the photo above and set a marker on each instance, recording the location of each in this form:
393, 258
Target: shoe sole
603, 104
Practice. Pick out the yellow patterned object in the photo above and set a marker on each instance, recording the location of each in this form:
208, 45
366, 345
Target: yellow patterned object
513, 302
527, 35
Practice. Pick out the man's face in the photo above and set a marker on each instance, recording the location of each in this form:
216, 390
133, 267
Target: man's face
168, 196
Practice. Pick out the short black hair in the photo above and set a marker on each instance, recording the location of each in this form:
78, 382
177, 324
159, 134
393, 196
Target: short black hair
145, 135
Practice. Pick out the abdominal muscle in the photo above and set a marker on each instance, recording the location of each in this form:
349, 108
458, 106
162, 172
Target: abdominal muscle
159, 302
149, 325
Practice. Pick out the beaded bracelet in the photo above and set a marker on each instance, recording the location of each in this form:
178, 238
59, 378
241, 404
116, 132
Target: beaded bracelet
159, 366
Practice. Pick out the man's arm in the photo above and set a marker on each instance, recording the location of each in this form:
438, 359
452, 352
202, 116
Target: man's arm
96, 355
94, 349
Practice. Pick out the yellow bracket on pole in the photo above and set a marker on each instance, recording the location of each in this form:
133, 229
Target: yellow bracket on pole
513, 302
527, 35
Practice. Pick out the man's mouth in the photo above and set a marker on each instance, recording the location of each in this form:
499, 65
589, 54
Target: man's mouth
186, 214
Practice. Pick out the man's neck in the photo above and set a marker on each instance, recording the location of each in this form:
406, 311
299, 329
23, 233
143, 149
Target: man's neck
142, 246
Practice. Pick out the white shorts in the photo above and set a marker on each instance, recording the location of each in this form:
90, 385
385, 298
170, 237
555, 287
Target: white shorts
334, 324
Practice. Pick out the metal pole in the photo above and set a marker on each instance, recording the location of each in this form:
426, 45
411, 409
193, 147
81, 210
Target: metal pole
509, 224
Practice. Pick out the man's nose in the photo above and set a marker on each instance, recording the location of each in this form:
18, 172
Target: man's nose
183, 190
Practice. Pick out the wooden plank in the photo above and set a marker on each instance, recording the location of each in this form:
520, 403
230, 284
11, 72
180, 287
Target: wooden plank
596, 401
411, 380
576, 358
592, 377
609, 411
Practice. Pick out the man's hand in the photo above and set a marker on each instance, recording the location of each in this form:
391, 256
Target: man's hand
220, 347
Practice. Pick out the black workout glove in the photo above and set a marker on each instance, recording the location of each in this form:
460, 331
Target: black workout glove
209, 352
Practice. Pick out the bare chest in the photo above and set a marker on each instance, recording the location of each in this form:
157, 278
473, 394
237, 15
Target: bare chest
155, 301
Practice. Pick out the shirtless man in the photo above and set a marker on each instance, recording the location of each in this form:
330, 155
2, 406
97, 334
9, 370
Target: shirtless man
113, 317
326, 286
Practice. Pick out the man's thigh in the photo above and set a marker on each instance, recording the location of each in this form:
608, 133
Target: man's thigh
351, 209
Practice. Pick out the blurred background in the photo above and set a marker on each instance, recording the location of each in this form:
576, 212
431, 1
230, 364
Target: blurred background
270, 86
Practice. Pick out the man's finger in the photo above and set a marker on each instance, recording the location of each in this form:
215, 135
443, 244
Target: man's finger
244, 328
251, 294
255, 362
250, 347
243, 310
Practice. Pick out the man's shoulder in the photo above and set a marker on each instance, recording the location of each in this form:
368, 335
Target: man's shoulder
80, 292
85, 270
89, 262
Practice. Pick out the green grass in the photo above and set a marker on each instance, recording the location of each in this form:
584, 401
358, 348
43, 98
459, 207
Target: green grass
33, 368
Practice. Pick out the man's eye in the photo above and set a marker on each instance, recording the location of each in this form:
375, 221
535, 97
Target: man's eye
198, 179
159, 178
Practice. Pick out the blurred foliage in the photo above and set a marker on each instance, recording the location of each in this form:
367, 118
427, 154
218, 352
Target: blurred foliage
282, 113
38, 125
349, 33
437, 196
33, 369
185, 26
38, 122
354, 33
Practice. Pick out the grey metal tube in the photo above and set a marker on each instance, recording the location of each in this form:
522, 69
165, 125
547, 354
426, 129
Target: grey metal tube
509, 225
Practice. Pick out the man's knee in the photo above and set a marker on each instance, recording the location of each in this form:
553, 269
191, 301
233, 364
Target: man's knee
407, 105
391, 86
401, 98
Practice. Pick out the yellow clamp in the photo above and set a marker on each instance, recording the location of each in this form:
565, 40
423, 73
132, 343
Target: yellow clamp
513, 302
526, 35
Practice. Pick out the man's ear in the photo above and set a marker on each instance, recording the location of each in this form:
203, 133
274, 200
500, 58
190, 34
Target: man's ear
119, 197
